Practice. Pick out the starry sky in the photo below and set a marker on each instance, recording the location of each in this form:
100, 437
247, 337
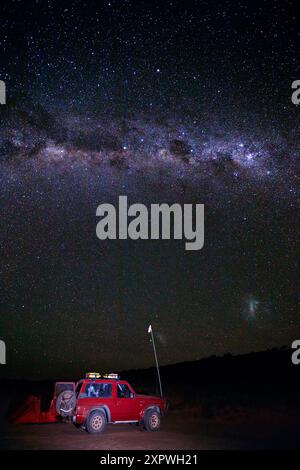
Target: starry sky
162, 101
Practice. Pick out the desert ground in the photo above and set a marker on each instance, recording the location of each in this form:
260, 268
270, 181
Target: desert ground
180, 430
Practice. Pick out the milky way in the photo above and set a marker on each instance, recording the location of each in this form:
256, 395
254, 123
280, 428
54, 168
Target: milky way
118, 110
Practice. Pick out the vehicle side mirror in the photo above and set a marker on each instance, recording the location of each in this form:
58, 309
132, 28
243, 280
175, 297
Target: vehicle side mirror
131, 395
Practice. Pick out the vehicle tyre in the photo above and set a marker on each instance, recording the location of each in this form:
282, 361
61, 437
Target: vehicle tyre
96, 422
152, 420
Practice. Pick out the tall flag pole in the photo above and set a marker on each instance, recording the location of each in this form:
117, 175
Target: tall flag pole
150, 331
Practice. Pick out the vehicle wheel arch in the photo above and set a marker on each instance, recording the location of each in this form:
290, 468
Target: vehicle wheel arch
149, 408
104, 408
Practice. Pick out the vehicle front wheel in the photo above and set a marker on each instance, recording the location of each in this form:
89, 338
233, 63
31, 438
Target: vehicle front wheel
96, 422
152, 420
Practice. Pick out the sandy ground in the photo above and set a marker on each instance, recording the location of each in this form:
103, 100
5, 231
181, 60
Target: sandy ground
180, 430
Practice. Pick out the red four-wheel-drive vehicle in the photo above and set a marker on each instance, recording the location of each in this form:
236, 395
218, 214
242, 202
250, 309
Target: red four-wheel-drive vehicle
94, 402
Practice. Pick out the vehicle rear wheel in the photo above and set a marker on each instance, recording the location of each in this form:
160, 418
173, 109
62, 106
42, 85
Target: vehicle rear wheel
96, 422
152, 420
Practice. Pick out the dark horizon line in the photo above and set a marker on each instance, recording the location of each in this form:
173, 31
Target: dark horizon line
164, 366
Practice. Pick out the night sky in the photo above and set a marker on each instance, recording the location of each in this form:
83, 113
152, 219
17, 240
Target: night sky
162, 101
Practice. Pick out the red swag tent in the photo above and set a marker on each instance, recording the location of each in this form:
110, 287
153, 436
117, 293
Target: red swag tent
31, 412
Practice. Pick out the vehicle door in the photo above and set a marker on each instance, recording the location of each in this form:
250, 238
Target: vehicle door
126, 404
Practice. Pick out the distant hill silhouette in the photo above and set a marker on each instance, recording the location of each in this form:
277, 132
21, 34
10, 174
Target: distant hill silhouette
264, 379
